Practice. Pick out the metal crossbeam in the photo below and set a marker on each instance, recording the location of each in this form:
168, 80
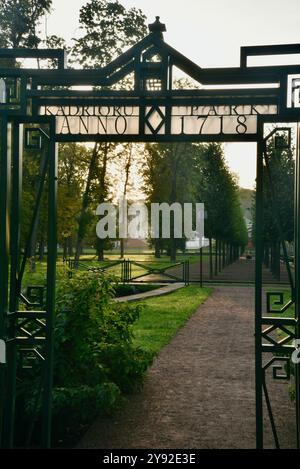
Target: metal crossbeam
159, 113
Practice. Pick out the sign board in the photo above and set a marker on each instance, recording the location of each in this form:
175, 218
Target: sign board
158, 120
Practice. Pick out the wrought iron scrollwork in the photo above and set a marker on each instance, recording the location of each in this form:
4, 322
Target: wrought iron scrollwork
155, 111
33, 138
278, 302
279, 364
12, 90
275, 328
30, 357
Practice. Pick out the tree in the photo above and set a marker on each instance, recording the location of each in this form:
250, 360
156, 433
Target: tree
72, 166
278, 203
126, 175
218, 190
20, 20
19, 27
168, 178
108, 28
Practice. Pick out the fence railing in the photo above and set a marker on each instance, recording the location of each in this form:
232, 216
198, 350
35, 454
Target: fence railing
127, 270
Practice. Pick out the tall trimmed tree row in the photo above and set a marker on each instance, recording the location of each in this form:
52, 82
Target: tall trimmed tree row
278, 204
169, 178
224, 224
198, 173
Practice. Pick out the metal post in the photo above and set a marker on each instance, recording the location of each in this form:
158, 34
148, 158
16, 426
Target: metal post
297, 279
50, 303
5, 168
258, 289
16, 198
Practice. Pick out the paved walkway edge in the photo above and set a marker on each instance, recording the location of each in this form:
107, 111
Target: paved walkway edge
148, 294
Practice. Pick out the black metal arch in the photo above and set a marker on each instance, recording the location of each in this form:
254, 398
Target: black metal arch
150, 109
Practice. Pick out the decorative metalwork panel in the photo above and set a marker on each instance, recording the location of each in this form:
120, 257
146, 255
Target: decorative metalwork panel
294, 91
12, 94
33, 138
281, 367
136, 98
235, 120
218, 120
278, 302
277, 333
275, 327
30, 357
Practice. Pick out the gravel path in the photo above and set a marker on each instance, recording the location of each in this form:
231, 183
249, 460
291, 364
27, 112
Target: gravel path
199, 393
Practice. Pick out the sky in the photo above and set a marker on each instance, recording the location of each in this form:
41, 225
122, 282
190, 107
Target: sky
209, 32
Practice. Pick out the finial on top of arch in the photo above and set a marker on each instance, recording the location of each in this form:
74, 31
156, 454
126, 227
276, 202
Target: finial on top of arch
157, 27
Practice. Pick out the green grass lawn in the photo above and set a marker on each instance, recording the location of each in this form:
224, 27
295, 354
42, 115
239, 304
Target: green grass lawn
137, 271
164, 315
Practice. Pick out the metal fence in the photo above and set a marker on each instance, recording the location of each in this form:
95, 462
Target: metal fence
127, 270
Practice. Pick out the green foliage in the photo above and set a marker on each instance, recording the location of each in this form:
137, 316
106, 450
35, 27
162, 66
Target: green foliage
125, 289
93, 335
78, 407
218, 190
278, 203
108, 28
279, 194
72, 164
197, 173
168, 178
19, 20
95, 359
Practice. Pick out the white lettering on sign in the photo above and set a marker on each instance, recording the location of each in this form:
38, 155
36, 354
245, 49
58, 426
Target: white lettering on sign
218, 120
185, 120
94, 120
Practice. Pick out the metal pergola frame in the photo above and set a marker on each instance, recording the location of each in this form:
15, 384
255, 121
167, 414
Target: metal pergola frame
28, 91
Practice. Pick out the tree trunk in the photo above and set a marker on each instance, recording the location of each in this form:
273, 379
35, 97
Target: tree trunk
85, 201
41, 249
173, 249
100, 249
65, 248
267, 256
272, 258
216, 256
210, 259
157, 249
122, 248
127, 173
70, 251
34, 236
103, 194
278, 260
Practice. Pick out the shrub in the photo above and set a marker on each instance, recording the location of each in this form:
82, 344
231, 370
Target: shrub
93, 337
95, 360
